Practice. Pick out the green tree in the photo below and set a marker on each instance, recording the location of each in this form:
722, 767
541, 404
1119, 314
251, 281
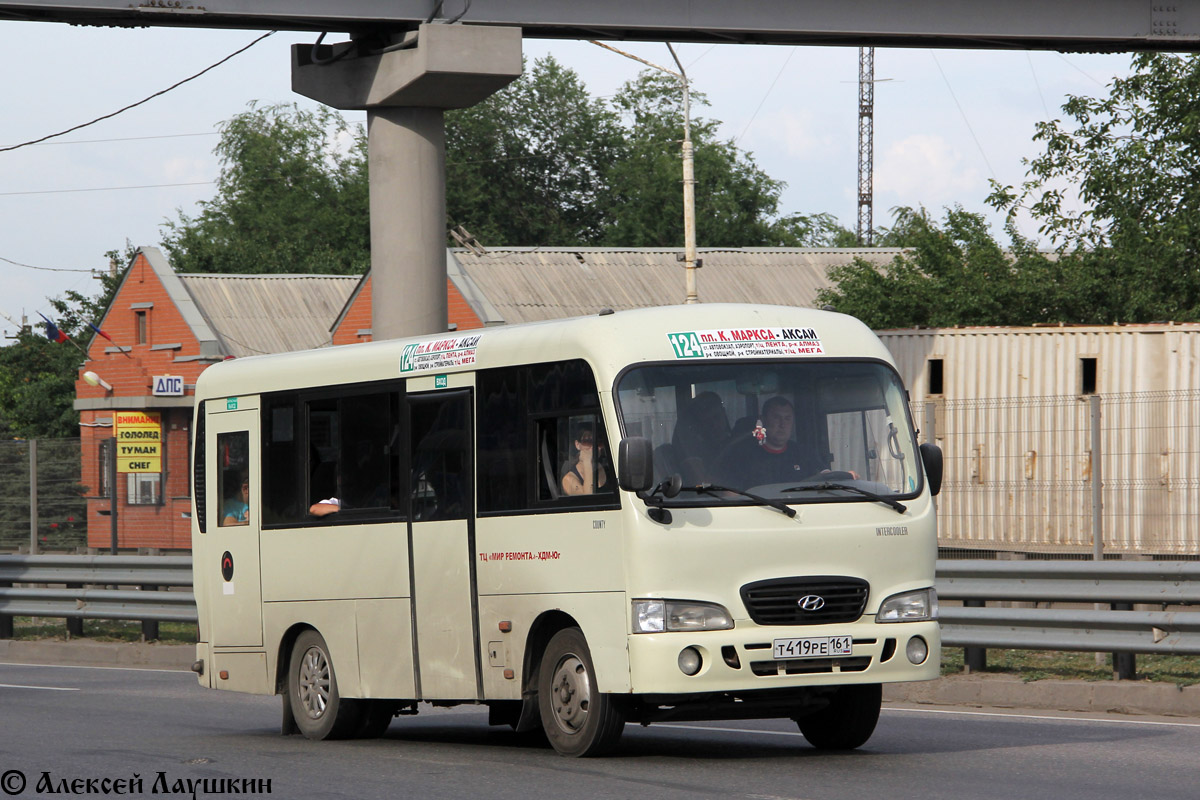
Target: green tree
541, 162
291, 197
737, 204
953, 273
37, 388
1132, 161
530, 165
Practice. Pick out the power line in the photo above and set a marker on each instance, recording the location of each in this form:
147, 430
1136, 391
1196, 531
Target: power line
128, 138
1037, 84
963, 113
108, 188
44, 269
768, 94
1081, 71
139, 102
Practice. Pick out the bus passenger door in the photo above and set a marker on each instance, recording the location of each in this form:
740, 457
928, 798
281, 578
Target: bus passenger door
232, 554
441, 540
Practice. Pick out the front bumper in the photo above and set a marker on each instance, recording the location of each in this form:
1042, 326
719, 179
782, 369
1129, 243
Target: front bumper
742, 659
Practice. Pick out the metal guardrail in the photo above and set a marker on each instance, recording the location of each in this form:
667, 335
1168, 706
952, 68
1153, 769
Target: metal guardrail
93, 587
1117, 584
975, 582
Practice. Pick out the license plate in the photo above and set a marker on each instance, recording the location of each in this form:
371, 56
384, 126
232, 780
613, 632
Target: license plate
814, 647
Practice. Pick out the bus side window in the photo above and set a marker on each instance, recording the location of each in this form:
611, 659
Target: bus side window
369, 451
526, 419
441, 439
502, 440
282, 463
323, 448
233, 467
573, 457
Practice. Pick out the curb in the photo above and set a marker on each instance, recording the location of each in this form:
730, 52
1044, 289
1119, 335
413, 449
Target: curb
1103, 697
98, 654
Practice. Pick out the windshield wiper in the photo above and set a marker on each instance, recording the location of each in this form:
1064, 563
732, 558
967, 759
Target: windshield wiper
712, 489
825, 486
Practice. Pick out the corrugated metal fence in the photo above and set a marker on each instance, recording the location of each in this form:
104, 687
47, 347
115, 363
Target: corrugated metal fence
1020, 473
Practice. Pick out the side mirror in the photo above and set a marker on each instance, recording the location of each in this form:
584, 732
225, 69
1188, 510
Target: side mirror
931, 457
635, 464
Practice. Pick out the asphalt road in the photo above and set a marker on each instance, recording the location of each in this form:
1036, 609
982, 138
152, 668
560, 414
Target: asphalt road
80, 723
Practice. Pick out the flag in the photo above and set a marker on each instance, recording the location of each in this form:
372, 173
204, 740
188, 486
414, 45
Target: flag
53, 333
122, 350
102, 333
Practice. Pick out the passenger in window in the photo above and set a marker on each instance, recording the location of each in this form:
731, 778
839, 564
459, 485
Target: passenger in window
585, 473
236, 510
768, 454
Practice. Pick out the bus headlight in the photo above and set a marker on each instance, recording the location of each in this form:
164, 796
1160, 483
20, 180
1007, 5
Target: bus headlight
657, 616
917, 606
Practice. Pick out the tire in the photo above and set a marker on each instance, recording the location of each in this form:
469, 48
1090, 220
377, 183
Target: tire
375, 717
319, 709
578, 720
847, 722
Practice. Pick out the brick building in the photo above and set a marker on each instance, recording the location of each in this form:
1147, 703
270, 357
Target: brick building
166, 328
169, 327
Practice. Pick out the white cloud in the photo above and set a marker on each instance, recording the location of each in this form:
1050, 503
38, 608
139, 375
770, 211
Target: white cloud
795, 134
926, 169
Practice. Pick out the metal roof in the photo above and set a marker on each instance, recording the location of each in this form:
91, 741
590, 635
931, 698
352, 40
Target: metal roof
254, 314
529, 284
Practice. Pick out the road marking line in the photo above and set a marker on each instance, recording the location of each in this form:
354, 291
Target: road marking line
45, 688
1042, 717
84, 666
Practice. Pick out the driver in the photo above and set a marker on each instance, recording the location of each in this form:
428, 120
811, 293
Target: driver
769, 454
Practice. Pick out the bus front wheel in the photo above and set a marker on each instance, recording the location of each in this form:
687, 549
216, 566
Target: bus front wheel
318, 708
847, 722
578, 720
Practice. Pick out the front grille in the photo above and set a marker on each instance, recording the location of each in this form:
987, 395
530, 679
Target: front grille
810, 666
777, 601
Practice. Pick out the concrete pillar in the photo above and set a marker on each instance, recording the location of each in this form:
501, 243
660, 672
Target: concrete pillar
406, 151
405, 92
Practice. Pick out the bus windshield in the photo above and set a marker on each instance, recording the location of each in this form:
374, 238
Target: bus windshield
794, 432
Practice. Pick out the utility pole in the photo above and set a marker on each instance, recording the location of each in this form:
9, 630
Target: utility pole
689, 189
866, 144
690, 262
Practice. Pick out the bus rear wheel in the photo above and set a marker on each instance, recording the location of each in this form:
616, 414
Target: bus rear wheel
847, 722
578, 720
318, 708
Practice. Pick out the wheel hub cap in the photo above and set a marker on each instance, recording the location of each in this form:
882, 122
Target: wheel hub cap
570, 691
313, 683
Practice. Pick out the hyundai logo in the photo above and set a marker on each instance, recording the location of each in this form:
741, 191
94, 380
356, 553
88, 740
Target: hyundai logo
811, 602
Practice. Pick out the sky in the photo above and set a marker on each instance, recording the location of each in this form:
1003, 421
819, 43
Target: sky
946, 121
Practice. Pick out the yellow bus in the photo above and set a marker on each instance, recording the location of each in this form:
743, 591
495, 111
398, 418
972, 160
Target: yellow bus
684, 513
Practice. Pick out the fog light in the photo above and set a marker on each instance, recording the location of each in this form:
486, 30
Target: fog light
917, 650
689, 661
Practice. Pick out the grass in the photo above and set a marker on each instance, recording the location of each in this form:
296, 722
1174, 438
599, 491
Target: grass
30, 628
1039, 665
